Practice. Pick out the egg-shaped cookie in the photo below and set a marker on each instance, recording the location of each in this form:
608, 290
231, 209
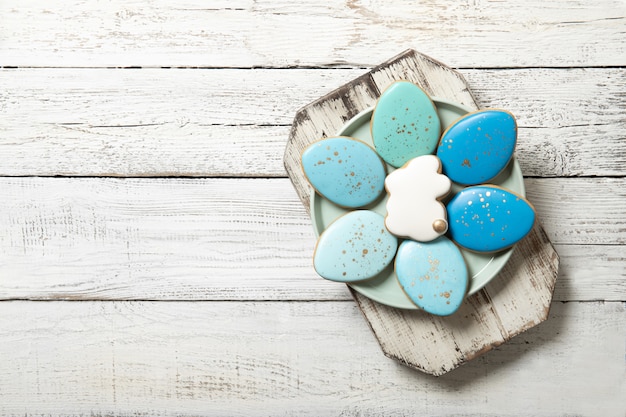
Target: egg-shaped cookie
355, 247
488, 218
433, 275
478, 146
345, 170
405, 124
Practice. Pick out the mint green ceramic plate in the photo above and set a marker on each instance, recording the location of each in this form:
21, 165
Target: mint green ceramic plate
384, 288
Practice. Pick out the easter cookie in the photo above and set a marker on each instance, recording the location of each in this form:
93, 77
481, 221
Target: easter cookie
345, 170
478, 146
488, 218
405, 124
413, 208
354, 247
433, 275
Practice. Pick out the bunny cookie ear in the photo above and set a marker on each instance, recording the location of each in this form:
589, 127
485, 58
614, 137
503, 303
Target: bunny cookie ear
488, 218
478, 146
345, 170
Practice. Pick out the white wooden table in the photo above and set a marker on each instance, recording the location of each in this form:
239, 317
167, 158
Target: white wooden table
155, 259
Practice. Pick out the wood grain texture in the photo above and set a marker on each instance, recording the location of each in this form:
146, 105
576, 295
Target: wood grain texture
235, 122
246, 33
603, 222
290, 359
590, 272
226, 259
236, 239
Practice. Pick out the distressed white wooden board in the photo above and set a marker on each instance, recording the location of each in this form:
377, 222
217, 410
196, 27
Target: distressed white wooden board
290, 359
240, 239
236, 122
248, 33
488, 318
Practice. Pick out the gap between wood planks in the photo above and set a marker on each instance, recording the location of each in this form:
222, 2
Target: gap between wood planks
235, 300
305, 67
244, 176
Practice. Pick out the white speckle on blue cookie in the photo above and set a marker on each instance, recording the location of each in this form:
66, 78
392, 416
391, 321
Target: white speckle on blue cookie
344, 170
355, 247
405, 124
433, 275
488, 219
477, 147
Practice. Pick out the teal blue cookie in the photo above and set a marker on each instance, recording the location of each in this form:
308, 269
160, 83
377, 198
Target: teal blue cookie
488, 218
433, 275
344, 170
477, 147
355, 247
405, 124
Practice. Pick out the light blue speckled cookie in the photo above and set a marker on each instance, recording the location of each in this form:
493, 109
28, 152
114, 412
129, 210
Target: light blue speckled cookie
433, 275
345, 170
405, 124
354, 247
489, 218
477, 147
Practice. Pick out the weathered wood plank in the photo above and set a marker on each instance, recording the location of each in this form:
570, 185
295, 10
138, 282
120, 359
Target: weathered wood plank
115, 122
248, 33
587, 272
240, 239
254, 359
557, 202
197, 237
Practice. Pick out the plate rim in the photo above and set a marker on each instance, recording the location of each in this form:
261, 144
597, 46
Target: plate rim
504, 255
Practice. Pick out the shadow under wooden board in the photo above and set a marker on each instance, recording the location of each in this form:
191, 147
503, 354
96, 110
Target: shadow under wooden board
517, 299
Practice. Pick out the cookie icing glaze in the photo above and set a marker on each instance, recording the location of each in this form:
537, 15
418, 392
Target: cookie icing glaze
345, 170
478, 146
488, 218
413, 207
405, 124
355, 247
433, 275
